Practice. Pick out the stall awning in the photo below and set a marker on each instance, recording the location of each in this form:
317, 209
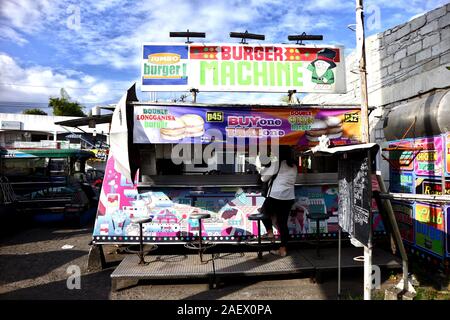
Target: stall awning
106, 118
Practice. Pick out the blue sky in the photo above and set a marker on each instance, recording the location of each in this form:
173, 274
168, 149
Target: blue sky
43, 46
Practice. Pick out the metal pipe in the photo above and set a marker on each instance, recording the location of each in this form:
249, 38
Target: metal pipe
414, 197
396, 231
339, 263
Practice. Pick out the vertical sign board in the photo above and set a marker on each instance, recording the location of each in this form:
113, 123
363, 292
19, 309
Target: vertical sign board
447, 233
447, 154
354, 197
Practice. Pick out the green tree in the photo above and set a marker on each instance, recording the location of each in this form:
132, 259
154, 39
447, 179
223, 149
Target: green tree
35, 111
63, 106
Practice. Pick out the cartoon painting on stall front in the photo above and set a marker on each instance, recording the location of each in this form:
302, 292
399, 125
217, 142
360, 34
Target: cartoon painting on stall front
429, 228
171, 208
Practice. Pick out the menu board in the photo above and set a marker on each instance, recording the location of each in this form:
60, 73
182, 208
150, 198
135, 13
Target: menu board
354, 197
429, 161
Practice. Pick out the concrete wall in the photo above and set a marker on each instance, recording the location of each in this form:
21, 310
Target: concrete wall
402, 63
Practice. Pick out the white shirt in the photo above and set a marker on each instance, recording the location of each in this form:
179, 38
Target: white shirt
284, 184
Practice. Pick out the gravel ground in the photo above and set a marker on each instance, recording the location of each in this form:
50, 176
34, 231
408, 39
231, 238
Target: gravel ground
34, 266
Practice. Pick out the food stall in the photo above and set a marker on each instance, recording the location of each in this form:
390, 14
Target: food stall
172, 160
420, 166
196, 158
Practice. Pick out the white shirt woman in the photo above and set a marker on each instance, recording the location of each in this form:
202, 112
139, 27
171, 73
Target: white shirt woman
284, 184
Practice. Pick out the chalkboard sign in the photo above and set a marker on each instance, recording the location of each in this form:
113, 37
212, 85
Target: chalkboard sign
354, 196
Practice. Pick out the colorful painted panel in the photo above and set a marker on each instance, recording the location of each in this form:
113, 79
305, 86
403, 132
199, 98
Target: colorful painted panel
429, 228
429, 161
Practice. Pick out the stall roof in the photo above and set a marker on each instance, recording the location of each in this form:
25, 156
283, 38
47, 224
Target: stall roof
233, 105
105, 118
344, 149
48, 153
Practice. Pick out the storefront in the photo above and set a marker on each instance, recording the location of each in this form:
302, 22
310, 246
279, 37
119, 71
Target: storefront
172, 160
204, 158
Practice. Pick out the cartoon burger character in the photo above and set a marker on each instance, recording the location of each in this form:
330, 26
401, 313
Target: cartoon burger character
321, 68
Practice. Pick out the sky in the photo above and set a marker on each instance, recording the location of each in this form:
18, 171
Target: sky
92, 48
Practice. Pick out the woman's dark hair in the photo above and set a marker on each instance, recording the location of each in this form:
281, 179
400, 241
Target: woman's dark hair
287, 154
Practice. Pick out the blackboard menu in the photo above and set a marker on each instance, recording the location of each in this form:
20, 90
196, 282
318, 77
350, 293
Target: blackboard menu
354, 196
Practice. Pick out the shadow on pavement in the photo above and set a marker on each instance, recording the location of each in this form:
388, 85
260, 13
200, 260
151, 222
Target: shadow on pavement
42, 234
94, 286
15, 267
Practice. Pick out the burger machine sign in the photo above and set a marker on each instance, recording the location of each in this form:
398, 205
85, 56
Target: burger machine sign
297, 127
238, 67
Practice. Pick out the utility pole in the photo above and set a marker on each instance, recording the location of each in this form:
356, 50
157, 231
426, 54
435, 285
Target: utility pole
361, 54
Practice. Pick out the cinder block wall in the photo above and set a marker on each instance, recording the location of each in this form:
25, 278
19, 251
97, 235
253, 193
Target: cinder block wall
402, 63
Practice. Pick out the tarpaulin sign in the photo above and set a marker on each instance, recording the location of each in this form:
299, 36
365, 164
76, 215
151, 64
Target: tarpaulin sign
237, 67
300, 127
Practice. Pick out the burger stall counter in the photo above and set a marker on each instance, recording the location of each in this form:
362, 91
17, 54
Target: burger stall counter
230, 192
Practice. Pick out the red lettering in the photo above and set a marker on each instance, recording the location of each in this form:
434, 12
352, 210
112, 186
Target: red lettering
278, 54
254, 120
248, 54
226, 53
233, 121
259, 54
237, 53
269, 53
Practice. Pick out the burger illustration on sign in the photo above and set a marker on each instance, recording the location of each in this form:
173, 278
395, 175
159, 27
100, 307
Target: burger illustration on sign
328, 126
321, 68
186, 126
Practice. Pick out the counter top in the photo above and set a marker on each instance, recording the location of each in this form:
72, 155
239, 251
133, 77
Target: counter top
237, 180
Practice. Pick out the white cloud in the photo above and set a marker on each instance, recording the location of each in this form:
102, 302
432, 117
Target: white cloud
28, 16
38, 83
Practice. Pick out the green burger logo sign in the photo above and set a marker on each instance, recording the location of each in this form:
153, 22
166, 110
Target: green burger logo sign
269, 68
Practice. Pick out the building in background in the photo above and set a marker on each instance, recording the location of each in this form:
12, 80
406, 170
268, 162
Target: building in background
35, 131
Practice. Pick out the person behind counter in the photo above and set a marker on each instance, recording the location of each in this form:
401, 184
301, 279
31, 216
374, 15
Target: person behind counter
281, 196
